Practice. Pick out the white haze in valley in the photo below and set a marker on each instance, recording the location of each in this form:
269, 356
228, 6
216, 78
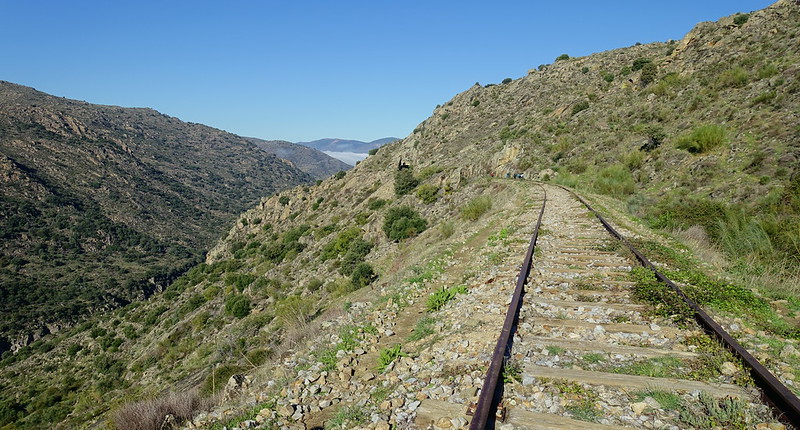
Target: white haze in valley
348, 157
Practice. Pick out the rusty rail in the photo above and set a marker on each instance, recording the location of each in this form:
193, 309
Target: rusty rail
782, 400
491, 392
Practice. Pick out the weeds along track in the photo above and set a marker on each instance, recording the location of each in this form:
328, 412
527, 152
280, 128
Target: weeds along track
577, 352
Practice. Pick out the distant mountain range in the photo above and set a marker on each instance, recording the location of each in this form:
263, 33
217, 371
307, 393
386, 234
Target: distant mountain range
342, 145
348, 151
314, 162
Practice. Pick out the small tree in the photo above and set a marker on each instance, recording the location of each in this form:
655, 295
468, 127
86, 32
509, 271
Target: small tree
404, 182
283, 200
639, 63
649, 73
363, 275
562, 57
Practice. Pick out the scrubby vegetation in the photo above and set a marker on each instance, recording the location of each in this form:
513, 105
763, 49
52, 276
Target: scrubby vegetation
402, 222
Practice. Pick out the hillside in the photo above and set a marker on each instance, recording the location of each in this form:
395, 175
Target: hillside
101, 205
349, 303
314, 162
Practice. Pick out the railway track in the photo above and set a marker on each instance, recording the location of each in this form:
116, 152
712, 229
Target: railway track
576, 350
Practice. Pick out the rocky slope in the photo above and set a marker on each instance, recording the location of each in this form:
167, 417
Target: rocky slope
101, 205
314, 294
314, 162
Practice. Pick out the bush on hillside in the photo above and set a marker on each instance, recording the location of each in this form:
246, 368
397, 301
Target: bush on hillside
735, 77
649, 73
741, 18
403, 222
580, 106
428, 193
562, 57
404, 182
363, 275
703, 139
237, 305
639, 63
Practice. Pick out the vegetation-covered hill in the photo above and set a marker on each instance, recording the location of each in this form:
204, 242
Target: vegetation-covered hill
314, 162
698, 135
101, 205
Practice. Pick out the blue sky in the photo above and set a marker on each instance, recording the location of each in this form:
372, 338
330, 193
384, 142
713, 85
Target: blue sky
304, 70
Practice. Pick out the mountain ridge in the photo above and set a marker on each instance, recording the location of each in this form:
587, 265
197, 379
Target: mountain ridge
87, 185
345, 145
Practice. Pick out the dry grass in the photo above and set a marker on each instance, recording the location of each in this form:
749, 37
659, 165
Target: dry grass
697, 240
777, 279
153, 413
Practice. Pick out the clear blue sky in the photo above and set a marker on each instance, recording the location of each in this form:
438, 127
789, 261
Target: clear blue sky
303, 70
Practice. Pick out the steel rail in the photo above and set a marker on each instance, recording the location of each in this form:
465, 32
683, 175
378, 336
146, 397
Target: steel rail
491, 392
783, 401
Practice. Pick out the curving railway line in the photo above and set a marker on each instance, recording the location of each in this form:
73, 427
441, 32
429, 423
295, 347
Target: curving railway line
573, 328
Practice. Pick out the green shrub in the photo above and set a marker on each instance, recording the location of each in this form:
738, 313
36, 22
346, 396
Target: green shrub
735, 77
562, 57
376, 204
340, 174
403, 222
703, 139
475, 103
585, 70
283, 200
764, 98
428, 193
237, 305
639, 63
356, 251
314, 284
741, 18
373, 151
767, 71
476, 207
615, 181
507, 81
649, 73
404, 182
580, 106
341, 244
363, 275
607, 76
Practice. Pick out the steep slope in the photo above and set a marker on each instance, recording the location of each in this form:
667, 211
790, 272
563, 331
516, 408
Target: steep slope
314, 162
102, 205
315, 294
